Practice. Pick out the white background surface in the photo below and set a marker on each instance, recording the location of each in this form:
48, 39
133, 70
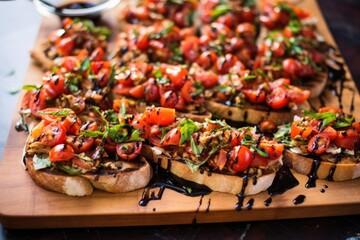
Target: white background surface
19, 24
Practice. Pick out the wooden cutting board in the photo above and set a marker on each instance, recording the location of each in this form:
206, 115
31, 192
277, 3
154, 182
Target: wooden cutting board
25, 205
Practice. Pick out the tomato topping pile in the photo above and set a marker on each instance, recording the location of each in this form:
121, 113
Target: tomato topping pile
326, 130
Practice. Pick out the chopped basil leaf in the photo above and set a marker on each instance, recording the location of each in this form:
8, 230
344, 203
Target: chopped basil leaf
84, 157
187, 128
287, 8
135, 136
220, 10
345, 123
223, 89
247, 140
249, 3
31, 87
249, 77
326, 117
118, 133
41, 163
93, 134
68, 170
294, 26
197, 150
283, 134
135, 32
260, 151
85, 65
60, 113
158, 74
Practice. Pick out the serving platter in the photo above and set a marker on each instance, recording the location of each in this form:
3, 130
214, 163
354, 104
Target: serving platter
25, 205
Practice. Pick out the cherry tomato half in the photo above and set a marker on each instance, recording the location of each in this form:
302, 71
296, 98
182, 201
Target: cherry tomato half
53, 134
128, 151
277, 99
61, 152
240, 158
319, 143
80, 143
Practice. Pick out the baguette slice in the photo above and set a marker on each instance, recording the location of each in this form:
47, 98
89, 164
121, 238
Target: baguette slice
252, 115
131, 177
215, 181
69, 185
342, 171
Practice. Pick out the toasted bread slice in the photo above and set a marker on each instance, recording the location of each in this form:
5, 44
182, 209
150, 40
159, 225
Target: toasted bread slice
40, 58
131, 177
341, 171
56, 182
126, 177
253, 115
218, 182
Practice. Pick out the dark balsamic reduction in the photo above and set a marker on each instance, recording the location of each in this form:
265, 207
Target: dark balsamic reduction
164, 179
208, 206
311, 183
241, 196
283, 181
268, 201
194, 221
250, 204
21, 126
322, 190
299, 199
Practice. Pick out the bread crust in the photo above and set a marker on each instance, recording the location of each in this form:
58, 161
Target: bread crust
69, 185
252, 115
303, 165
134, 175
38, 55
215, 181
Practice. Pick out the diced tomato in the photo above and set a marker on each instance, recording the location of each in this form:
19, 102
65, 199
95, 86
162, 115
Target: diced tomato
160, 116
277, 99
330, 132
297, 95
348, 139
177, 75
258, 161
61, 152
255, 96
121, 90
172, 138
279, 82
141, 123
138, 91
190, 48
274, 149
207, 59
208, 79
152, 92
97, 55
297, 130
72, 124
330, 109
65, 46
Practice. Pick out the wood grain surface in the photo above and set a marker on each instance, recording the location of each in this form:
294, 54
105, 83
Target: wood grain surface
25, 205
